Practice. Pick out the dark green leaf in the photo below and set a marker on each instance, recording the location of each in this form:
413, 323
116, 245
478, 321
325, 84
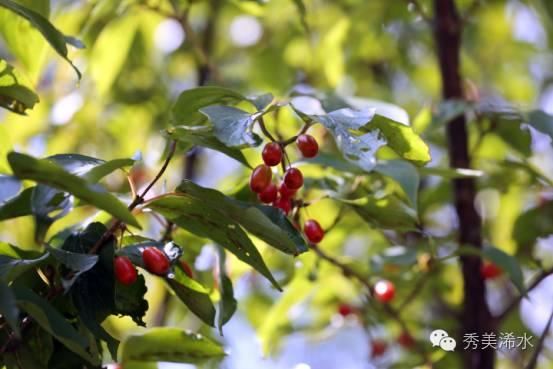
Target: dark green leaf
193, 295
51, 320
532, 224
508, 264
77, 263
88, 167
449, 110
50, 174
102, 170
203, 136
227, 302
48, 205
232, 126
170, 344
405, 174
54, 37
8, 307
129, 300
16, 94
12, 265
189, 102
541, 121
509, 128
204, 220
261, 101
18, 206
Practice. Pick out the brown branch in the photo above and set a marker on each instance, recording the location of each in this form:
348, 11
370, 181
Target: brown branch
476, 316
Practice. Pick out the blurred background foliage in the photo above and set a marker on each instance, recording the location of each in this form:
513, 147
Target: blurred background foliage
138, 58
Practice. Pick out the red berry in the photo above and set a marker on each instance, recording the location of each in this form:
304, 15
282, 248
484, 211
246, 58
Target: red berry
125, 272
155, 261
260, 178
269, 194
406, 340
384, 290
345, 310
313, 231
286, 192
272, 154
293, 179
308, 146
187, 269
283, 204
378, 348
490, 270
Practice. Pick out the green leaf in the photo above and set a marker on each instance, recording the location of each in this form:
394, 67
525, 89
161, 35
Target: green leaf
8, 307
532, 224
9, 187
508, 264
262, 221
54, 37
129, 300
16, 93
232, 126
88, 167
541, 121
77, 263
261, 102
50, 174
227, 302
385, 212
13, 265
18, 206
449, 110
172, 345
401, 138
193, 295
107, 167
508, 126
360, 149
47, 206
405, 174
203, 136
186, 109
204, 220
51, 320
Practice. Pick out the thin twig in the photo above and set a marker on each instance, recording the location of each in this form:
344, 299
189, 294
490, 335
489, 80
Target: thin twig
539, 346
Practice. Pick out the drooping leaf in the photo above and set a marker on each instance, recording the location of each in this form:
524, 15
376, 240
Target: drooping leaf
203, 136
51, 320
405, 174
54, 37
172, 345
8, 307
186, 109
261, 101
90, 168
449, 110
76, 263
129, 300
18, 206
50, 174
508, 264
16, 93
13, 263
203, 220
47, 206
509, 127
232, 126
193, 295
532, 224
541, 121
261, 221
227, 302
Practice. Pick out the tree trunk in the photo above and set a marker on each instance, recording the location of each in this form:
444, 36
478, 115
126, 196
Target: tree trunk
476, 317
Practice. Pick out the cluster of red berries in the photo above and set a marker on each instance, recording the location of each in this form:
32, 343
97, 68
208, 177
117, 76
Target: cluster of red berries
282, 196
154, 259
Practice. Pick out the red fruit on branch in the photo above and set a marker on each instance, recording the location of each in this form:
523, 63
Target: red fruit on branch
293, 179
272, 154
384, 290
345, 310
313, 231
260, 178
269, 194
283, 204
406, 340
124, 270
490, 270
155, 261
378, 348
308, 146
285, 192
